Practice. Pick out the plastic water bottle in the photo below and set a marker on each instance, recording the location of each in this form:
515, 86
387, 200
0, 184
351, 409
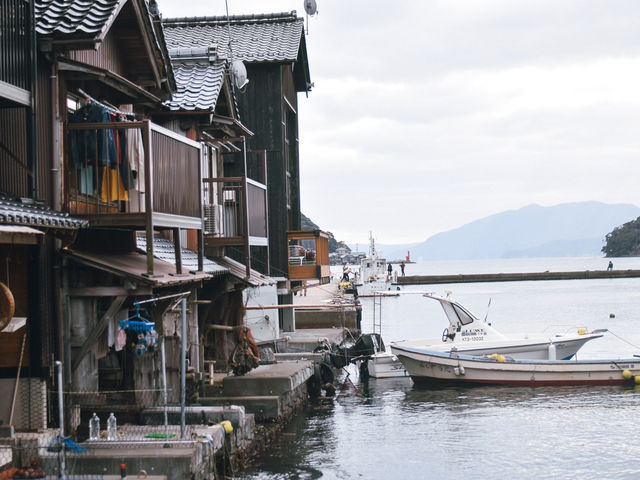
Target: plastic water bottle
112, 428
94, 427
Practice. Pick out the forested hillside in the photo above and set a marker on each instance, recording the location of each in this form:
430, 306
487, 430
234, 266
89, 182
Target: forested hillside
307, 224
623, 241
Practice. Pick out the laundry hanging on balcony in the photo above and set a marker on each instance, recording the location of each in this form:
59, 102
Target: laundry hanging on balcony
100, 156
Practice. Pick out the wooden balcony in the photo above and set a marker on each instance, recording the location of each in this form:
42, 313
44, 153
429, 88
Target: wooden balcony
159, 185
235, 214
155, 185
309, 255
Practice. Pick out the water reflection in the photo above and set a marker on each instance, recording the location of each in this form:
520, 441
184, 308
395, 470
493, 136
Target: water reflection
399, 430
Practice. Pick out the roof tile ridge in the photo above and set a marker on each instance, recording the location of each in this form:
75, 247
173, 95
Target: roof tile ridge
234, 19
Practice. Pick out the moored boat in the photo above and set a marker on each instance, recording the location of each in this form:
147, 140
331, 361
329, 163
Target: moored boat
469, 335
430, 367
373, 269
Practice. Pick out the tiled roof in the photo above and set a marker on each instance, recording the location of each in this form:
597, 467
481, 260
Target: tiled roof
90, 17
254, 38
14, 212
134, 265
238, 270
198, 86
164, 249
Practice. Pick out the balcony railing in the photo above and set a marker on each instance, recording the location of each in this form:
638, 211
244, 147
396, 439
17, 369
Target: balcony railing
126, 173
235, 212
309, 255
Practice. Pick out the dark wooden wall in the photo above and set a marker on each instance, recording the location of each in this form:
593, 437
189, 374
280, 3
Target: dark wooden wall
107, 56
262, 110
15, 175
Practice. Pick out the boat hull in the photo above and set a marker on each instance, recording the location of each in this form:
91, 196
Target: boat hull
561, 348
427, 367
385, 365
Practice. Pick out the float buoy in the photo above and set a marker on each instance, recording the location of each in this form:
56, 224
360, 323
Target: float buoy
7, 306
228, 428
626, 374
582, 331
498, 358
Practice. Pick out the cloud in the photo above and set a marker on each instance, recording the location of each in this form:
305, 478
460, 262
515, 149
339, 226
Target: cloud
429, 115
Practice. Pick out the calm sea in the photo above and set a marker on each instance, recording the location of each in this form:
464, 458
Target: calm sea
391, 429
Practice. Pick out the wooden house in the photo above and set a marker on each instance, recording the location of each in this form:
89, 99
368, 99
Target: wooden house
84, 240
32, 226
204, 108
272, 47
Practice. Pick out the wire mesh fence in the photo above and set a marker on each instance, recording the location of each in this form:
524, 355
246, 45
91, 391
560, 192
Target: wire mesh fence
105, 429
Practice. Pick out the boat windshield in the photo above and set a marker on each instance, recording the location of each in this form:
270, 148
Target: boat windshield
464, 316
456, 314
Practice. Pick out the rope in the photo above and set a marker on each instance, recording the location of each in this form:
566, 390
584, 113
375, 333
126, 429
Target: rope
624, 340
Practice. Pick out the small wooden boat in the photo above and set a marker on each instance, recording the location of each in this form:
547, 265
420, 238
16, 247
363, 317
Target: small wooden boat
429, 367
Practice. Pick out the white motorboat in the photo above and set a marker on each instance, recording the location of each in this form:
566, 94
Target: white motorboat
373, 269
468, 335
385, 365
429, 367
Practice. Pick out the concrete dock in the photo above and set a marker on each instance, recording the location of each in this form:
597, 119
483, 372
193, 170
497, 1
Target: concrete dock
339, 312
515, 277
256, 404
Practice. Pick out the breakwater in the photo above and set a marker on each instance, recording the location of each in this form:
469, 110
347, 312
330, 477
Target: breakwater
515, 277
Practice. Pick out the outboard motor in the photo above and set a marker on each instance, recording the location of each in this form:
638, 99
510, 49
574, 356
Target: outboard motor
366, 345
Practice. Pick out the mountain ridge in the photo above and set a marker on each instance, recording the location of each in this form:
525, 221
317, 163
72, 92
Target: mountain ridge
568, 229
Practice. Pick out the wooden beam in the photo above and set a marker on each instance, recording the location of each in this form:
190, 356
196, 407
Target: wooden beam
107, 291
98, 329
280, 307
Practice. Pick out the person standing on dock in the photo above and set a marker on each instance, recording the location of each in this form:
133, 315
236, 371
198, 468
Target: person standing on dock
390, 270
610, 266
402, 268
345, 272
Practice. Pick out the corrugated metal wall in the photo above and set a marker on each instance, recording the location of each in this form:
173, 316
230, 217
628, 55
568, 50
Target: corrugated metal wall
175, 176
107, 56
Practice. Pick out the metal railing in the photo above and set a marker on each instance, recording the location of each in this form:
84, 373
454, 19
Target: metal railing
235, 208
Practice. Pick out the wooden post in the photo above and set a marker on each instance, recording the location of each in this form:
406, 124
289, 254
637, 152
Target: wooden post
178, 250
148, 200
245, 219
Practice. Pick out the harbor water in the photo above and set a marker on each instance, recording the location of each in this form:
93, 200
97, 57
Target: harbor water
390, 428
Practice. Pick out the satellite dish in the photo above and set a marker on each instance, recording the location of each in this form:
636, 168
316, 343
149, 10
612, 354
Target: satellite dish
310, 7
239, 73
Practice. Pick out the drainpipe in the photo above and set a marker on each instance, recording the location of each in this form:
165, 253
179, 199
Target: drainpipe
33, 126
62, 459
55, 129
183, 365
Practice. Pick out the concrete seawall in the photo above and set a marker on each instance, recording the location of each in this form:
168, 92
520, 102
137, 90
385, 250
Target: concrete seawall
515, 277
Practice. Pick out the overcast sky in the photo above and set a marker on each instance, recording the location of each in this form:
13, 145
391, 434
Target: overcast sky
427, 115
